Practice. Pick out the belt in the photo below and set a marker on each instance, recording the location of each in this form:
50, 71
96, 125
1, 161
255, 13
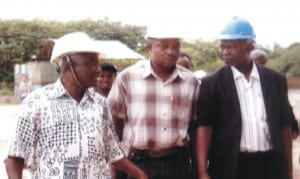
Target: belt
157, 153
256, 154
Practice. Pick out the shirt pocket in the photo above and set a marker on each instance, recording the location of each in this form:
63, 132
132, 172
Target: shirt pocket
60, 127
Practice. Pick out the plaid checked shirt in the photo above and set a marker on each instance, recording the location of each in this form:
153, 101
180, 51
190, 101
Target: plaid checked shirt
156, 113
60, 138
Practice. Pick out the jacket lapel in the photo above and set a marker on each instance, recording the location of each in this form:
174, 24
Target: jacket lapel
265, 86
231, 91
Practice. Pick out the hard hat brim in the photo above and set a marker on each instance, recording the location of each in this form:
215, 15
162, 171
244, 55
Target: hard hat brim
232, 37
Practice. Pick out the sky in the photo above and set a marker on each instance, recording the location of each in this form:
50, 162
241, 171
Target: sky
274, 21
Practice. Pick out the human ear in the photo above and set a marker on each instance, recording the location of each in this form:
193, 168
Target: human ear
149, 45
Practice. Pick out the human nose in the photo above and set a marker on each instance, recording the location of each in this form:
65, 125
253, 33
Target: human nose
97, 69
173, 52
224, 51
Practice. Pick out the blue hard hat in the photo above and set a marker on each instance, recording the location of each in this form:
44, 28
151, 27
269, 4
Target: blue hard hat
237, 28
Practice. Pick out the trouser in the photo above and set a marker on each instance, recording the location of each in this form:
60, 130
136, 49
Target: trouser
117, 174
261, 165
174, 166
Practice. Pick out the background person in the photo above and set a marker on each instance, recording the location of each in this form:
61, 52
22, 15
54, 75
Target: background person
185, 61
65, 129
260, 57
106, 78
152, 104
25, 87
243, 120
104, 84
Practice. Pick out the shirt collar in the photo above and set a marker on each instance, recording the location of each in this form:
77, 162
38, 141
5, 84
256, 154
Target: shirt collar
253, 74
59, 91
178, 72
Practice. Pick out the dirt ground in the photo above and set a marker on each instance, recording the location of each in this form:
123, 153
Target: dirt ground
8, 117
294, 96
296, 152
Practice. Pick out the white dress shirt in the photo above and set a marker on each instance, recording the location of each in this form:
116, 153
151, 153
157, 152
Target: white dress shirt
255, 131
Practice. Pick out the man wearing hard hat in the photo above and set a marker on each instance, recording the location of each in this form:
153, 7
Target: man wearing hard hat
65, 129
152, 104
243, 120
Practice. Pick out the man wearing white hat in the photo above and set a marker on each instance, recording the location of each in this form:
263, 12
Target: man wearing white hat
152, 106
65, 128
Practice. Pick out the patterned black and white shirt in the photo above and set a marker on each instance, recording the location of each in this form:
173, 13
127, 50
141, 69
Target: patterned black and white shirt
60, 138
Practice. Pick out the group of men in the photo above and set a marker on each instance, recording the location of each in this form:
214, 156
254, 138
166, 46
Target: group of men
237, 119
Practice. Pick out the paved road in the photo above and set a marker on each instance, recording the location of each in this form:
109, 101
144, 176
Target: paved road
8, 120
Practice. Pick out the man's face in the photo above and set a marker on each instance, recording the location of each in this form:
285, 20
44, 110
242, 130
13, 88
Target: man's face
233, 52
86, 68
185, 62
164, 53
105, 80
260, 60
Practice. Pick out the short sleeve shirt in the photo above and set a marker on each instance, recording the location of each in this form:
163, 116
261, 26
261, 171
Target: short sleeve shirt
60, 138
156, 113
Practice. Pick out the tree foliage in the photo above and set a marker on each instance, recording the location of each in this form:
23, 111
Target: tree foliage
286, 60
21, 40
205, 55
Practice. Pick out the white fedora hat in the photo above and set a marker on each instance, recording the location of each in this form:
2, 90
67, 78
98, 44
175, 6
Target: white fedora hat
74, 42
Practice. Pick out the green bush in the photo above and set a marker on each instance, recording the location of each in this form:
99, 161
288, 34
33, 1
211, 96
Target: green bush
6, 89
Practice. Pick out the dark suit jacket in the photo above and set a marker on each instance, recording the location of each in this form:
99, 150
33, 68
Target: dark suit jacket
294, 122
218, 107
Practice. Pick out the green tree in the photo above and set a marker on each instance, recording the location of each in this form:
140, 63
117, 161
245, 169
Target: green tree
205, 55
287, 61
20, 40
